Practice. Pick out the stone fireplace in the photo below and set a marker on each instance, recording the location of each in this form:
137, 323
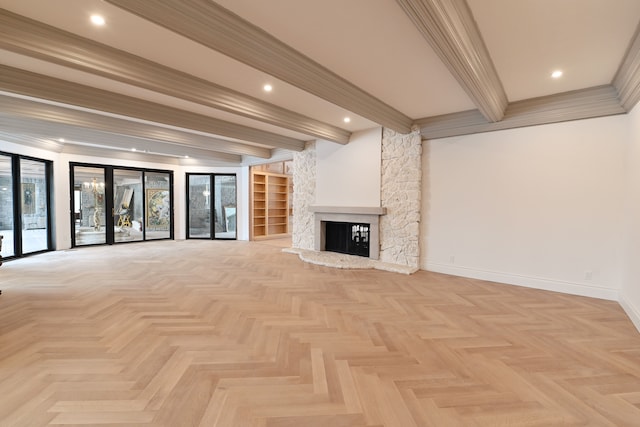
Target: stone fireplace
394, 229
361, 217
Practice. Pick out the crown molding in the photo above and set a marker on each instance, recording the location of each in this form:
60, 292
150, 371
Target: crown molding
35, 39
34, 85
575, 105
56, 120
450, 29
211, 25
627, 78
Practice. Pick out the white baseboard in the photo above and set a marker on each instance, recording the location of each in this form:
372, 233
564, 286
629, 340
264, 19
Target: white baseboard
632, 312
528, 281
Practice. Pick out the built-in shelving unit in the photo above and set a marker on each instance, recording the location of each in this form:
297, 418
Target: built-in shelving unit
270, 205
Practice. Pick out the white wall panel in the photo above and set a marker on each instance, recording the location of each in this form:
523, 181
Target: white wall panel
349, 175
539, 206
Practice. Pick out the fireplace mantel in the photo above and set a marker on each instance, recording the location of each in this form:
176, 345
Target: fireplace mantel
356, 210
356, 214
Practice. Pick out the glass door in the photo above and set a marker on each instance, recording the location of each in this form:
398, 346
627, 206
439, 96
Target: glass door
118, 205
34, 206
25, 205
89, 219
6, 206
128, 206
211, 196
199, 206
158, 202
225, 206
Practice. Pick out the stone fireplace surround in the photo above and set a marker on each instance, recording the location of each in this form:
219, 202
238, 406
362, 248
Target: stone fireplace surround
354, 214
400, 194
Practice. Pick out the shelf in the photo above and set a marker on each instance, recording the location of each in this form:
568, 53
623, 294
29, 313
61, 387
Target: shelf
270, 199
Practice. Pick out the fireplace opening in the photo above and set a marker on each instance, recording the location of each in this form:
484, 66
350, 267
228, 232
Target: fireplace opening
347, 238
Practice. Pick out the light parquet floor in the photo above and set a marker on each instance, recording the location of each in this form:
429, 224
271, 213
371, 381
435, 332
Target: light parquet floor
206, 333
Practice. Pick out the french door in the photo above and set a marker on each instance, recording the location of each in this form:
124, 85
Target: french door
118, 205
211, 206
25, 205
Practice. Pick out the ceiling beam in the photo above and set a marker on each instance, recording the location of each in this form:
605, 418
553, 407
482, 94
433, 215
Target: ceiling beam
21, 82
31, 141
575, 105
450, 29
82, 150
35, 39
211, 25
34, 127
53, 120
627, 78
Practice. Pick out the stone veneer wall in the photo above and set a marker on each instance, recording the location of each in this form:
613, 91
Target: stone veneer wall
304, 195
400, 193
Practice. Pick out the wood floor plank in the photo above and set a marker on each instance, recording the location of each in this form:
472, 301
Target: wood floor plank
231, 333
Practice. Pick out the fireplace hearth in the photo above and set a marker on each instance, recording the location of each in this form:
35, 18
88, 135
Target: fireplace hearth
347, 238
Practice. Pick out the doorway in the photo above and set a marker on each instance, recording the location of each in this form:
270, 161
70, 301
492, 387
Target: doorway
25, 205
211, 206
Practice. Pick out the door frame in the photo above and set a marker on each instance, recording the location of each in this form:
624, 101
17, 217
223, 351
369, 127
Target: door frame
212, 222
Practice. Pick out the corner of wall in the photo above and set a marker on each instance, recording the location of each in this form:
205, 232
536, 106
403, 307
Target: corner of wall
304, 179
632, 311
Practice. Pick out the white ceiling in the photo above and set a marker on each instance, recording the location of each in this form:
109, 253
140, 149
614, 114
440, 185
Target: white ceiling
372, 44
529, 39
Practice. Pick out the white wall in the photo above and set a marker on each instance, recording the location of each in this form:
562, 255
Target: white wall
349, 175
539, 206
630, 295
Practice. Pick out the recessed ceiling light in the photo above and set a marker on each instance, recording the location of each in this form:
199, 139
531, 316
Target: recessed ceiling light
133, 149
186, 157
60, 139
97, 20
556, 74
267, 88
347, 119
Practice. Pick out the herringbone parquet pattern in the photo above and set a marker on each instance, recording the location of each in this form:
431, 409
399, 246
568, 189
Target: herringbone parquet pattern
202, 333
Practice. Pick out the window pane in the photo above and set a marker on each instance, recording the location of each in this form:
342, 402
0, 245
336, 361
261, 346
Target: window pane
88, 184
225, 206
33, 203
127, 205
158, 205
199, 205
6, 206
